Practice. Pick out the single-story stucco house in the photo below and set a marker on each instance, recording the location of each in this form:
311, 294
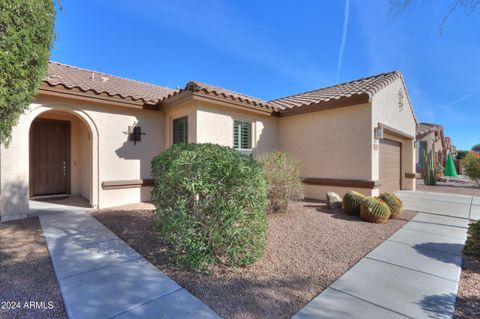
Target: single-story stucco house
94, 135
429, 137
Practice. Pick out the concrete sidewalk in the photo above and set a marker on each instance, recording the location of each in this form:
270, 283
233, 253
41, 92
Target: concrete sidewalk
100, 276
414, 274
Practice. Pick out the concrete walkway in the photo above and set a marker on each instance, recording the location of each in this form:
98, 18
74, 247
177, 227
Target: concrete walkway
414, 274
100, 276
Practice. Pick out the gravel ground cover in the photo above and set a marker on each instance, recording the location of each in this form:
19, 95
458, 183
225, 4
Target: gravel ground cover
468, 301
461, 185
26, 273
307, 249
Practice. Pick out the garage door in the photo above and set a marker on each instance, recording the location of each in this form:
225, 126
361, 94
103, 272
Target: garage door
390, 165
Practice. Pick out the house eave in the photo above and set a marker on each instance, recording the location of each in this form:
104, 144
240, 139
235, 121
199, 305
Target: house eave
59, 91
201, 96
327, 105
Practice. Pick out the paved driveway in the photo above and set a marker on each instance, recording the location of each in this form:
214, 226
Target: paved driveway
414, 274
462, 206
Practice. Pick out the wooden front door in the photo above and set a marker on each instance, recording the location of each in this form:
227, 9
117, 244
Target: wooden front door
49, 157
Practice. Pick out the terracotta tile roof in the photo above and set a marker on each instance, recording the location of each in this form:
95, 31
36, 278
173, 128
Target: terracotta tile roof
425, 128
368, 85
71, 77
89, 81
195, 86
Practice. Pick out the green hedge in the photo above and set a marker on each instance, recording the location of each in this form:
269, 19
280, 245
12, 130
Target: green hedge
210, 203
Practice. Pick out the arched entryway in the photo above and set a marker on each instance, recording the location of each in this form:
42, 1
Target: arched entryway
62, 157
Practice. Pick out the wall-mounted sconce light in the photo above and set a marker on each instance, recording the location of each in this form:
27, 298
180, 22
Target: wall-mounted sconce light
378, 133
135, 134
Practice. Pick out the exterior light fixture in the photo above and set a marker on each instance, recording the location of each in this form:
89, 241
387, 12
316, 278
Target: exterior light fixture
135, 134
378, 133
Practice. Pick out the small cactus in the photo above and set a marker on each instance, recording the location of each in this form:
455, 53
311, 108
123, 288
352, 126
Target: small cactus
374, 210
394, 203
351, 202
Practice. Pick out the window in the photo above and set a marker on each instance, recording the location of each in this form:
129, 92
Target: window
180, 130
242, 135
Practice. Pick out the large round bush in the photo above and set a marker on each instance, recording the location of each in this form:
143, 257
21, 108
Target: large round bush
210, 203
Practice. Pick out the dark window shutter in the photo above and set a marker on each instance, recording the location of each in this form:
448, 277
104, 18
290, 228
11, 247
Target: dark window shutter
180, 130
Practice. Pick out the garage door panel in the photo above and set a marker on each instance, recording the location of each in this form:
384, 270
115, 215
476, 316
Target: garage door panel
390, 165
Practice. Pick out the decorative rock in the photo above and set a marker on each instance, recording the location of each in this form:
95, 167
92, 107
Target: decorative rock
333, 200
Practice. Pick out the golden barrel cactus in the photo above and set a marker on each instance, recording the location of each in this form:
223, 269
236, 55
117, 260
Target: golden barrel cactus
374, 210
394, 203
351, 202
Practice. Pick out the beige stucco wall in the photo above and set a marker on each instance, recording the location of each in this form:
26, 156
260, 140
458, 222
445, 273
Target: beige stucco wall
187, 109
386, 110
215, 125
109, 153
333, 143
320, 191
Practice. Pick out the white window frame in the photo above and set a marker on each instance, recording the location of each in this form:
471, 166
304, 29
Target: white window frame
246, 151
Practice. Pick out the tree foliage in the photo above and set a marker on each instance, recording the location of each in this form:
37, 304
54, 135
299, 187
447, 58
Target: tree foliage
26, 36
468, 7
476, 148
461, 154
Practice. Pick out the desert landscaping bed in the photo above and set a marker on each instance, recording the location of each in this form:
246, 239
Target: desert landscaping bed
468, 300
307, 249
461, 186
26, 273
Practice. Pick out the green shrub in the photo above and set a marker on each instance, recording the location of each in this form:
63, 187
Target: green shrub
472, 245
374, 210
351, 202
210, 205
283, 180
471, 167
394, 203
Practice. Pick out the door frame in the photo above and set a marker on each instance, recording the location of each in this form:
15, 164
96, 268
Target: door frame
30, 148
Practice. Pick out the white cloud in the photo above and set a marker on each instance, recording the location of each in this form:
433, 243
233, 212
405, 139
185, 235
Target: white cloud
344, 39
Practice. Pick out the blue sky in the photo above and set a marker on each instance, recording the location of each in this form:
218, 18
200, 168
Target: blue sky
271, 49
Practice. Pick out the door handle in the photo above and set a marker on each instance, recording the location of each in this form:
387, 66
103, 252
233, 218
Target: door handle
64, 168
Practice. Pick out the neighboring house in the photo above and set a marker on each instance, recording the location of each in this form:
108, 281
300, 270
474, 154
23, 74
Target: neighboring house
429, 137
449, 148
94, 135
